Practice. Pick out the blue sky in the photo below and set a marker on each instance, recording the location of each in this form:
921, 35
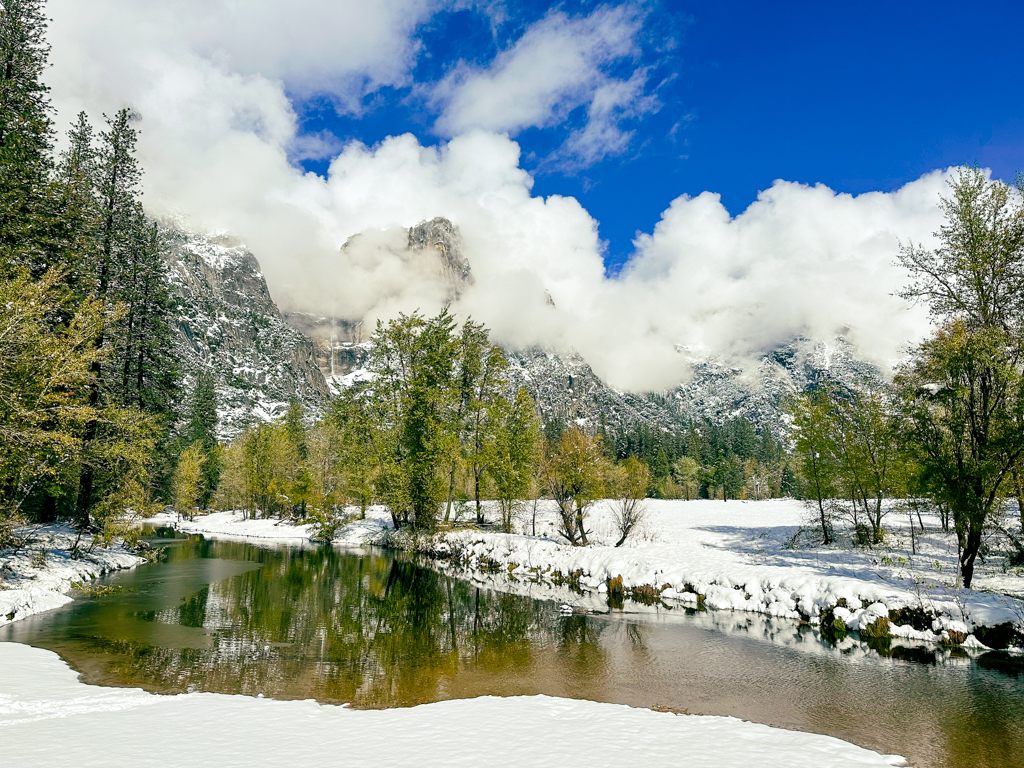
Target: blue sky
859, 97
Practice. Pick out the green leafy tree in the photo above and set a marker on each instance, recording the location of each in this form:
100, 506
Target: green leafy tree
814, 451
484, 366
686, 473
200, 425
963, 390
628, 483
512, 450
965, 408
300, 480
188, 479
576, 471
358, 446
415, 394
43, 375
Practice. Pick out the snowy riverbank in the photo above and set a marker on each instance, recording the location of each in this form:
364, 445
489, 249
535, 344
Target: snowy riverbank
721, 555
40, 575
740, 556
48, 717
234, 525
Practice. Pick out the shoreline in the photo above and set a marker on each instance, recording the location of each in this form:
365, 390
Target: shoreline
708, 555
41, 575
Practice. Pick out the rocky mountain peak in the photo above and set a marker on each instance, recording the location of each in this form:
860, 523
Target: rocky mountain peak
443, 238
229, 325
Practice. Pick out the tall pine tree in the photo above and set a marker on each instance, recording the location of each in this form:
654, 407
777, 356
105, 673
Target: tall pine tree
25, 139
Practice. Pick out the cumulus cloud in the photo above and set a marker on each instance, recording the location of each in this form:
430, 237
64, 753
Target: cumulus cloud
800, 261
560, 64
219, 135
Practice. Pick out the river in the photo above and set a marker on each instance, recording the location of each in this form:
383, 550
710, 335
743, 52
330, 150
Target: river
374, 630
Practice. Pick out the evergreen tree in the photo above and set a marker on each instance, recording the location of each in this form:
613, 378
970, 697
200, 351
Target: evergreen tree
200, 426
78, 206
26, 215
143, 373
137, 369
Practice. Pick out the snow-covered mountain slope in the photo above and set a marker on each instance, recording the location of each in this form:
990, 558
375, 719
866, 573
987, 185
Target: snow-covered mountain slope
566, 389
228, 324
719, 392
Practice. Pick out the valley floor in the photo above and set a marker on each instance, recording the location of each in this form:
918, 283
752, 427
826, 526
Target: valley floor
737, 555
40, 576
48, 717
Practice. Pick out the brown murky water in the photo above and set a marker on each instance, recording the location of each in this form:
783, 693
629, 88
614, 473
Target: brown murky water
376, 631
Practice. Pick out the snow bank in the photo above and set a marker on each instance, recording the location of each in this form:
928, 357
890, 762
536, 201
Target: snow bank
734, 556
39, 576
234, 525
48, 717
737, 556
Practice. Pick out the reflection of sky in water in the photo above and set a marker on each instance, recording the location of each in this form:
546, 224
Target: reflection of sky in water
375, 631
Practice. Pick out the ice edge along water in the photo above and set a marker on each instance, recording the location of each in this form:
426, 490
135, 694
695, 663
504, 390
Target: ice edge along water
48, 717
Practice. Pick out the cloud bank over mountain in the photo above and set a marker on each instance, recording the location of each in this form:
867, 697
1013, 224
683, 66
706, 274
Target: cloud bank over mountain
217, 86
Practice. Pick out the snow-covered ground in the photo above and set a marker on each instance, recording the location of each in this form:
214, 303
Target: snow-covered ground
48, 717
235, 525
735, 555
739, 556
39, 576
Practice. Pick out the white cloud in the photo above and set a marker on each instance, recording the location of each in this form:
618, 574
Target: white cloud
217, 130
560, 64
800, 261
342, 48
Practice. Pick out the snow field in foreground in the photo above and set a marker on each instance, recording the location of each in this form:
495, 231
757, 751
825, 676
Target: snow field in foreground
39, 577
48, 717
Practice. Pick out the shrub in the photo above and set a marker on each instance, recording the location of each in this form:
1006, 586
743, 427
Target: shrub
878, 629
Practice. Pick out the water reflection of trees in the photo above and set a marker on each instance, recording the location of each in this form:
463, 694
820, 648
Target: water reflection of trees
372, 630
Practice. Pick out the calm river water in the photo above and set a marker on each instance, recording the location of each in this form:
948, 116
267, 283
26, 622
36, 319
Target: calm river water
377, 631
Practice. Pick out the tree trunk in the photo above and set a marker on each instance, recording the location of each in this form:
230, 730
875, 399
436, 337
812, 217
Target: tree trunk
1018, 485
968, 554
826, 537
451, 493
476, 497
580, 527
